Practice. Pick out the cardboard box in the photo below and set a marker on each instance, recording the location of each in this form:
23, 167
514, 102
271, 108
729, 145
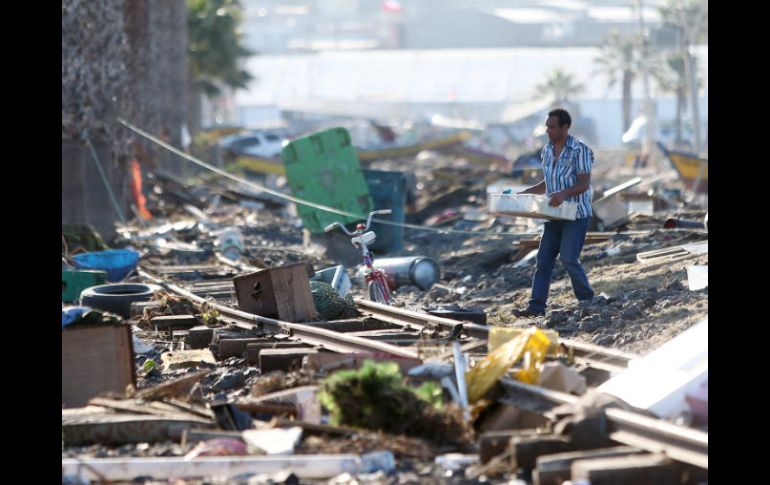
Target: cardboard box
95, 359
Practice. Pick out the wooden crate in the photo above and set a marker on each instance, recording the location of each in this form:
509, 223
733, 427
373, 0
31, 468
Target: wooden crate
282, 293
95, 359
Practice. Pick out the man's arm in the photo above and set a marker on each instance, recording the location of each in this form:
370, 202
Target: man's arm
535, 189
583, 183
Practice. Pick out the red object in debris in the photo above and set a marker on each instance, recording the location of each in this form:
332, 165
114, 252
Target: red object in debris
698, 400
136, 190
218, 447
446, 215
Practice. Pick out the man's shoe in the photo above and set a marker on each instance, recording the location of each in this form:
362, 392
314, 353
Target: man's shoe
527, 313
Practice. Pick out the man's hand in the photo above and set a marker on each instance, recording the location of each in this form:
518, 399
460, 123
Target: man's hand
556, 199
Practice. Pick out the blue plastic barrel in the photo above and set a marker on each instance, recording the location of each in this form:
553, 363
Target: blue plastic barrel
118, 263
388, 190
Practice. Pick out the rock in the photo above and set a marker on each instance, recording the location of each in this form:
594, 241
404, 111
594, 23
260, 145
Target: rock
585, 312
591, 323
676, 286
558, 317
228, 381
437, 292
649, 302
603, 340
631, 313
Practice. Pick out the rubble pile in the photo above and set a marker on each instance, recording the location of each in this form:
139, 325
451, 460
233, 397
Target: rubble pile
232, 369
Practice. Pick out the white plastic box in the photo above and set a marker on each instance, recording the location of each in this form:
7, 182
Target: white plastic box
531, 205
660, 380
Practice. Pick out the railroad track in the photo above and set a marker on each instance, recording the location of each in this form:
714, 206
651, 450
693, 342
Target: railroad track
682, 444
611, 360
586, 354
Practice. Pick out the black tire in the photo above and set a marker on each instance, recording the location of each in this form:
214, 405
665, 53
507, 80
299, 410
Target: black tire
117, 297
376, 293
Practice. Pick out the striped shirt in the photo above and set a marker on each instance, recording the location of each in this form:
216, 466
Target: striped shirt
574, 158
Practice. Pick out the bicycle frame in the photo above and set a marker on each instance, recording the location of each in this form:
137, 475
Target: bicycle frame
361, 239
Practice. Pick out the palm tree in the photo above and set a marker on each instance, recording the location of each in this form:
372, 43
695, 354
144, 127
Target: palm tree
560, 86
690, 19
619, 60
670, 74
214, 51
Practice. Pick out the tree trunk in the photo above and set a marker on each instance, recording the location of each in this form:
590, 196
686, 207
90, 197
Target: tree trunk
627, 76
681, 102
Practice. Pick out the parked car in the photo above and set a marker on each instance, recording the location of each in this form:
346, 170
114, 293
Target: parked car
261, 143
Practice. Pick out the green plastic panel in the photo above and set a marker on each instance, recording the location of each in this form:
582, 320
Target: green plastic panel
74, 282
323, 168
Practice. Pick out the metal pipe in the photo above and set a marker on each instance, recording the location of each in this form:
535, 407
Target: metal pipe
673, 223
419, 271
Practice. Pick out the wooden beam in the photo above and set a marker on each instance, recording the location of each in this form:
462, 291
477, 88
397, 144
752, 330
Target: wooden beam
557, 468
628, 470
119, 428
304, 466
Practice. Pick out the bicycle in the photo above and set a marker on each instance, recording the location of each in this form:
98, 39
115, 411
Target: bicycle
376, 283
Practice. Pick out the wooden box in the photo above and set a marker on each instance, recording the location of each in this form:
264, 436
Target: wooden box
282, 293
95, 359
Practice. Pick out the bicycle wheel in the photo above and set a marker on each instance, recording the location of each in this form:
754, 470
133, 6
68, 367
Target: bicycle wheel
377, 292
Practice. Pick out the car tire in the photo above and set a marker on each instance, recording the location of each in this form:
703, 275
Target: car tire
117, 298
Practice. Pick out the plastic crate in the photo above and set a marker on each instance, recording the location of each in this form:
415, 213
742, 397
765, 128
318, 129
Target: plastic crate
323, 168
531, 205
74, 282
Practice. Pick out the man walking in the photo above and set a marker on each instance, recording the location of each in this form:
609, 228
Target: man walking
566, 176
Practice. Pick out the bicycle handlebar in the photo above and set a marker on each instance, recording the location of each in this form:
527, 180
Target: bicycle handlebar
368, 222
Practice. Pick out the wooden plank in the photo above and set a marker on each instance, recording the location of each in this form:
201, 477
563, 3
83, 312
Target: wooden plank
96, 359
557, 468
493, 443
355, 325
115, 429
127, 405
180, 359
253, 349
200, 337
526, 449
628, 470
282, 359
277, 409
138, 307
174, 322
235, 347
503, 416
177, 388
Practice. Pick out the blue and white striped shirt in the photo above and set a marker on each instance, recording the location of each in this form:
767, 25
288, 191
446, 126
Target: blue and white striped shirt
574, 158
